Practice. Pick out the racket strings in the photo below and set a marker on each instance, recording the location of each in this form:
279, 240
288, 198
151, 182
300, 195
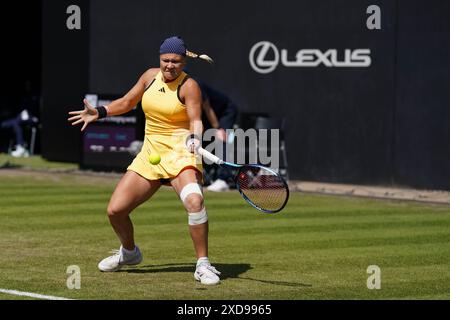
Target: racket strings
263, 188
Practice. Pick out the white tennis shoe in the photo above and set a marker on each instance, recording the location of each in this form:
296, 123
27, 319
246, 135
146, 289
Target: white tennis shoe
119, 259
206, 274
20, 152
218, 186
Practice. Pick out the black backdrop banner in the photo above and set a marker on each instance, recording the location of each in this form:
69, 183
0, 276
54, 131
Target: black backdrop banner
422, 136
353, 113
65, 81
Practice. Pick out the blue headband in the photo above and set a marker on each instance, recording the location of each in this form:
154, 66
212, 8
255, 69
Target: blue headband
173, 45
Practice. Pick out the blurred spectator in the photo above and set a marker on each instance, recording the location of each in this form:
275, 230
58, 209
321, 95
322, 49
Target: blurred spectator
219, 112
29, 113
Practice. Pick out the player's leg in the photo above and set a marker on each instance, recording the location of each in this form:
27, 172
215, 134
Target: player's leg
188, 186
130, 192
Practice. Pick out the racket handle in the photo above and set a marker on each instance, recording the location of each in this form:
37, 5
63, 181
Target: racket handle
208, 155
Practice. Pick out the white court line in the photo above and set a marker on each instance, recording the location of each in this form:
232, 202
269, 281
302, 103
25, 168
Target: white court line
32, 295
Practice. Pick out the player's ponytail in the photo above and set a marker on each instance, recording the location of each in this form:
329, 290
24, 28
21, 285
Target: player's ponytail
191, 54
176, 45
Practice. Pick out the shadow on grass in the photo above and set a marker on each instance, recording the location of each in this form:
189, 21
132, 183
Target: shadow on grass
9, 165
228, 271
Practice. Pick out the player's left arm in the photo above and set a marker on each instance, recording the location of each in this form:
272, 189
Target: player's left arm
190, 92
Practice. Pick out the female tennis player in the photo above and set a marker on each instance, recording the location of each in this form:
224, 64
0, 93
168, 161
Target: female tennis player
172, 103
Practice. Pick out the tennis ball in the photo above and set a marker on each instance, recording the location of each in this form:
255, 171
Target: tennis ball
154, 158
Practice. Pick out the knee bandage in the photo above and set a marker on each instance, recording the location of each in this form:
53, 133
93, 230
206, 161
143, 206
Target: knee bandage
190, 188
196, 218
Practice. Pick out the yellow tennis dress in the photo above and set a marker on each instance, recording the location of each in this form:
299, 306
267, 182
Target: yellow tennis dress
166, 130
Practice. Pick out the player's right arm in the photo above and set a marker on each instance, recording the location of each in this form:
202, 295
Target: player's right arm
118, 106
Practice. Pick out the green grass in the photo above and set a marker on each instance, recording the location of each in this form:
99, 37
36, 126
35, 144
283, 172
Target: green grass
318, 247
33, 162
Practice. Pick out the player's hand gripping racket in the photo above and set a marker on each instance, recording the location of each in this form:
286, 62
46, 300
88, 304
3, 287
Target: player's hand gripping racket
260, 186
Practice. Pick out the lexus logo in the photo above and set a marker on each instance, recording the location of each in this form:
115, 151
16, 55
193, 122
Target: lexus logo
260, 62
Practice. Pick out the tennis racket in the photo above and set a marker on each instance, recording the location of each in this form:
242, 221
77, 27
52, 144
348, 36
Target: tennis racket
260, 186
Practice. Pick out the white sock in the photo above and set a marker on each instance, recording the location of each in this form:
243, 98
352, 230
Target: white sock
129, 252
201, 260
